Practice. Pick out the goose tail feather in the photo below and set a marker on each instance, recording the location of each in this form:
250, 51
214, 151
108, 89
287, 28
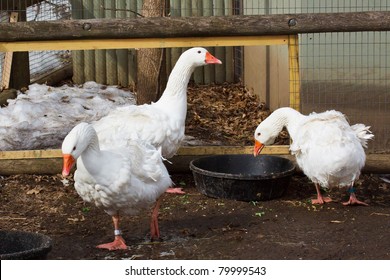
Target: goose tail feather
363, 133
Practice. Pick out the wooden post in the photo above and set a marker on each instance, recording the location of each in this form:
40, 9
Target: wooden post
6, 73
20, 66
293, 57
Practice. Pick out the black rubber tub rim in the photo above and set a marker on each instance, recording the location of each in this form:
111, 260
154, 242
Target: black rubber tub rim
238, 176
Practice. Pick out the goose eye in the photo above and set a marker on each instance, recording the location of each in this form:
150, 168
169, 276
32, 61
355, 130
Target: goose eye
258, 133
199, 51
74, 148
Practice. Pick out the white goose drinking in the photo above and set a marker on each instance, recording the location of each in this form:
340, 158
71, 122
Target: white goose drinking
120, 181
327, 149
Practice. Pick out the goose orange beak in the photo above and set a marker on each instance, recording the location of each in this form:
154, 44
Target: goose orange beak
210, 59
68, 164
257, 148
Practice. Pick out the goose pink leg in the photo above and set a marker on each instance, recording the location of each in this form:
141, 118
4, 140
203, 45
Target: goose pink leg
320, 199
154, 230
118, 243
352, 198
175, 191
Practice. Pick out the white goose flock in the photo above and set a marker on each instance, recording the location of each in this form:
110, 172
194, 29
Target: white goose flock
120, 147
119, 157
327, 148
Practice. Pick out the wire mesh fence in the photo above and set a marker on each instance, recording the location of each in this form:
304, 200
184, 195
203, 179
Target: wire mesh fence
346, 71
349, 72
41, 62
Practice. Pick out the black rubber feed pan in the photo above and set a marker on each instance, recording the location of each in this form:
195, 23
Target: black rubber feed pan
22, 245
242, 177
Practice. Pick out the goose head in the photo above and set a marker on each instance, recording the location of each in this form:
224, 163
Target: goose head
267, 131
265, 134
199, 57
75, 143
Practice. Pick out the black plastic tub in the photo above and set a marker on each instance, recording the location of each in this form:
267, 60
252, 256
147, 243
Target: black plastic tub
22, 245
242, 177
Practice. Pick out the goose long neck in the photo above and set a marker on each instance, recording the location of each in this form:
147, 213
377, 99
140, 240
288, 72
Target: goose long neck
287, 117
176, 89
92, 154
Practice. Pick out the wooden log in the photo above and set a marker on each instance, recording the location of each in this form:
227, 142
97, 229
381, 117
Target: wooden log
55, 77
50, 161
171, 27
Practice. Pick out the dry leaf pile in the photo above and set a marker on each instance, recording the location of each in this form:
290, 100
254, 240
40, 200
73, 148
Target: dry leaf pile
226, 114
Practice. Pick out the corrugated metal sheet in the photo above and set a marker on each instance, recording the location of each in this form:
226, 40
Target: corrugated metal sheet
118, 67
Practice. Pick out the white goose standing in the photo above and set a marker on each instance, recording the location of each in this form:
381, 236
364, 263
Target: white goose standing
327, 149
121, 181
162, 123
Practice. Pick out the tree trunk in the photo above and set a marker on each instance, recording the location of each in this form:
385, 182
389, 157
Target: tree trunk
151, 74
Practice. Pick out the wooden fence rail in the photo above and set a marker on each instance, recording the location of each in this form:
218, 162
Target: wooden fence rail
170, 27
50, 161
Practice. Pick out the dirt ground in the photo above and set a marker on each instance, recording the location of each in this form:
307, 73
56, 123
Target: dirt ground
194, 226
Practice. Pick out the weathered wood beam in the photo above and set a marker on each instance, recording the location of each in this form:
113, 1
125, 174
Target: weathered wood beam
50, 161
106, 44
170, 27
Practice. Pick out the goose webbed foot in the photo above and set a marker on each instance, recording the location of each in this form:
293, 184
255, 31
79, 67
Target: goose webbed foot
118, 244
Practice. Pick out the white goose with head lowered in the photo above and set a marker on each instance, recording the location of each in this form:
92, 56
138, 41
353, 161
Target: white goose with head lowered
327, 148
162, 123
121, 181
